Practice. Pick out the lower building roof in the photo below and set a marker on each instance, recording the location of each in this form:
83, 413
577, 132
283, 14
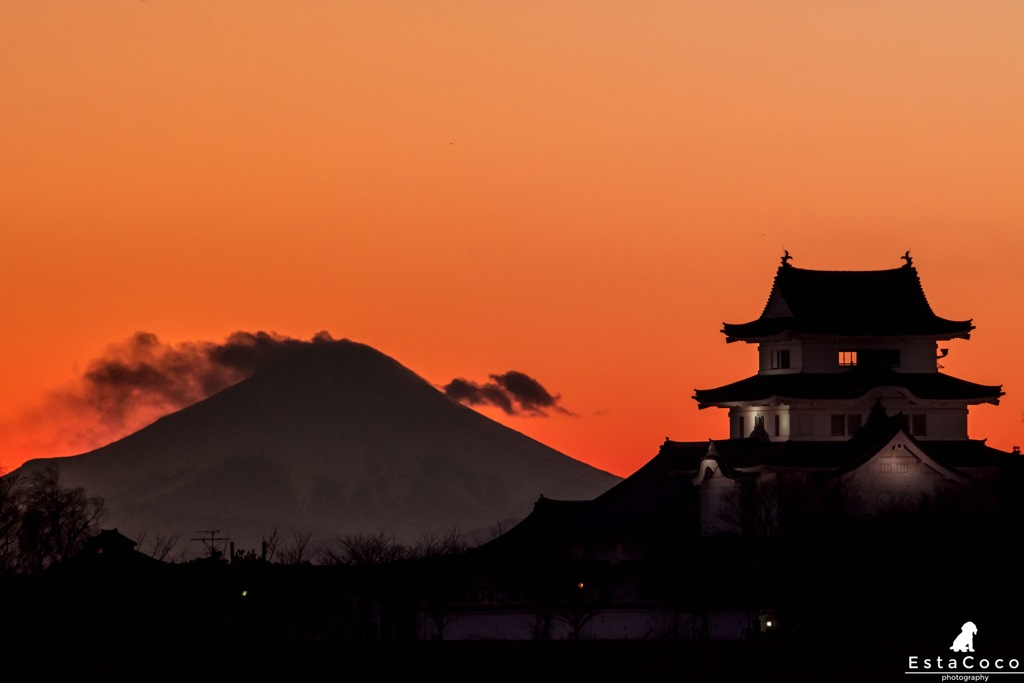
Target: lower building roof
757, 452
662, 494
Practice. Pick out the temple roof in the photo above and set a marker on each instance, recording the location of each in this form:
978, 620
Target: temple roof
849, 384
847, 303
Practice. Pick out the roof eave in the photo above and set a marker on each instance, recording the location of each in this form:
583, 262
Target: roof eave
795, 332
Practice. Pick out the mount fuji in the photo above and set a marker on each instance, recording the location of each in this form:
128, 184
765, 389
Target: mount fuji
327, 439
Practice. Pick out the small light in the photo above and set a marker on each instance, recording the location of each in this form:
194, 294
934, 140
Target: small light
245, 593
579, 585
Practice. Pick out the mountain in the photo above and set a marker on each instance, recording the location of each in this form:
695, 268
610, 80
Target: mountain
330, 439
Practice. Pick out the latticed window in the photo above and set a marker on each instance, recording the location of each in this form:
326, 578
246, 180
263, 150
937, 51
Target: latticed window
846, 425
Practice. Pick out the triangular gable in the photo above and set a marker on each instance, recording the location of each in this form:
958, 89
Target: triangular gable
902, 445
777, 306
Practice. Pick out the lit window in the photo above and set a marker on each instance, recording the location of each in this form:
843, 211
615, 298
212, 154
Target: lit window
780, 359
847, 358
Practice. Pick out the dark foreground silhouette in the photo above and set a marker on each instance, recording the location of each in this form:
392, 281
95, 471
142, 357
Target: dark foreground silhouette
849, 606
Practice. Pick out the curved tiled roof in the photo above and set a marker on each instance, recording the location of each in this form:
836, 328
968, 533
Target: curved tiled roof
735, 456
850, 384
847, 303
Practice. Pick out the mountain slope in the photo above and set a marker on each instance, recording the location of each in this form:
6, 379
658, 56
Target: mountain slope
331, 438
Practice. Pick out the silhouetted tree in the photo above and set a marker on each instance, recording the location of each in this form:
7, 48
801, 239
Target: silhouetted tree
499, 528
162, 547
578, 605
364, 550
430, 545
55, 522
10, 522
298, 550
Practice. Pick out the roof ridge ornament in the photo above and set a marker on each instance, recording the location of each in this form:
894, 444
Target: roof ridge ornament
785, 258
906, 257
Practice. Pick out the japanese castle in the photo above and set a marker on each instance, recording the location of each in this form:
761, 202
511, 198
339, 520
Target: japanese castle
849, 389
848, 456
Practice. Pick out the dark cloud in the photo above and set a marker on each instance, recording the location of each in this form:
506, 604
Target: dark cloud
471, 393
143, 376
516, 393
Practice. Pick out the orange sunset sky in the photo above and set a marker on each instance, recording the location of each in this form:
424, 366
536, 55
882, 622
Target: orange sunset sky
581, 191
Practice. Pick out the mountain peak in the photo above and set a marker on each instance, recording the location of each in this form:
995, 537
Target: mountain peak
331, 437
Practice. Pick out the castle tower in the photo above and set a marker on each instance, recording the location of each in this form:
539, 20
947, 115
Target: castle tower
849, 400
833, 345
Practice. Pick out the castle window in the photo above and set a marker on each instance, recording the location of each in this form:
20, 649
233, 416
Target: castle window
919, 425
737, 426
777, 421
838, 425
902, 467
880, 358
802, 425
875, 358
780, 359
885, 467
845, 425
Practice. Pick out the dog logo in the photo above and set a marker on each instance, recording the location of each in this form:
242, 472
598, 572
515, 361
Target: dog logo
965, 641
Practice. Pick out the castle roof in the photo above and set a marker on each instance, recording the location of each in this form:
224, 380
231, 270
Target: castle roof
849, 384
653, 500
657, 495
735, 456
847, 303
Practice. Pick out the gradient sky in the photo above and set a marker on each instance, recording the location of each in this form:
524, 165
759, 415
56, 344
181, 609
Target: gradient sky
581, 191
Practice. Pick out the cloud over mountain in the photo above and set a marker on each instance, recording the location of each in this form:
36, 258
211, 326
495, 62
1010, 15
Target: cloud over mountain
143, 374
142, 378
327, 436
137, 380
514, 392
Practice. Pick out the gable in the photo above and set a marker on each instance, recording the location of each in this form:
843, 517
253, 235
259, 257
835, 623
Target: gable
901, 449
898, 473
777, 306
